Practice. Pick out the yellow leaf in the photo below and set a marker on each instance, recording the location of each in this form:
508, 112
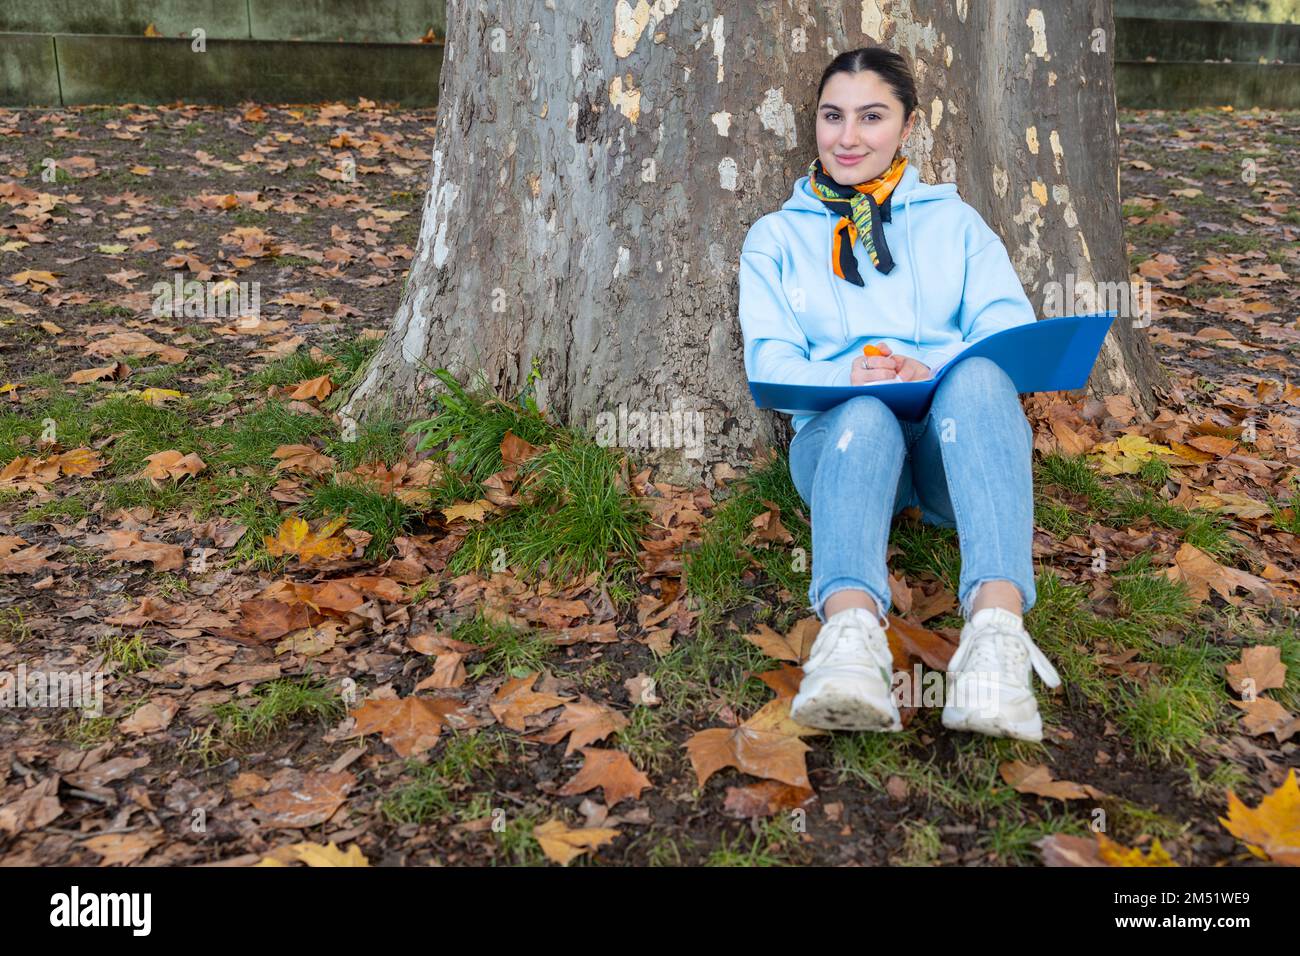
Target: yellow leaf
1271, 829
1117, 854
314, 854
157, 396
561, 844
296, 537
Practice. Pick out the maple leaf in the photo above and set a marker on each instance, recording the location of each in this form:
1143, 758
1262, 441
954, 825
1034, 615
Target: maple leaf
314, 854
171, 464
302, 458
86, 375
584, 722
560, 844
793, 646
515, 450
296, 537
1265, 716
317, 388
306, 804
128, 546
514, 701
1116, 854
156, 396
774, 717
265, 620
469, 510
759, 753
1261, 665
410, 725
1037, 779
767, 527
611, 770
764, 799
1201, 573
81, 462
1270, 830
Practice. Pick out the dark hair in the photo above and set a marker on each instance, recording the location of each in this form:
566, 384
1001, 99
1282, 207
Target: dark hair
891, 66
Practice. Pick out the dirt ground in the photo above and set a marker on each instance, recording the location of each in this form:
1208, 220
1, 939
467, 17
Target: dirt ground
321, 207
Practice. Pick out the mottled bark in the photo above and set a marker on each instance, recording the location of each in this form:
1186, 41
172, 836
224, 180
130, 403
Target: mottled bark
597, 166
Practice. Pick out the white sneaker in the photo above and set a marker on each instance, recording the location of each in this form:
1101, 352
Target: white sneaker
847, 682
988, 688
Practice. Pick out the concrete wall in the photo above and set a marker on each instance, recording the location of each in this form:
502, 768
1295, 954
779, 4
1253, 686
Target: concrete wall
1253, 11
96, 69
29, 75
1181, 85
1194, 40
362, 21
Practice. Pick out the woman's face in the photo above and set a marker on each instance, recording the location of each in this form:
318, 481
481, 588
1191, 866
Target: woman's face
859, 127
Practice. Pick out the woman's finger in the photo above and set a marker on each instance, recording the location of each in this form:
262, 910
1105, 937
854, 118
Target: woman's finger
878, 374
880, 361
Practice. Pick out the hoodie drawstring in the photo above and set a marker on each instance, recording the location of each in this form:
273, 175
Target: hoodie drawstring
830, 268
911, 264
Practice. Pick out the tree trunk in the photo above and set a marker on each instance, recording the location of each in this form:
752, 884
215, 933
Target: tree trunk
597, 166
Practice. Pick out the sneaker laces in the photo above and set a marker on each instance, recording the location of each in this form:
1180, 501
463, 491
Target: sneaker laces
1002, 645
848, 639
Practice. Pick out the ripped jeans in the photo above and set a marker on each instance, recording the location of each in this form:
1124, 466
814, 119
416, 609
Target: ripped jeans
967, 464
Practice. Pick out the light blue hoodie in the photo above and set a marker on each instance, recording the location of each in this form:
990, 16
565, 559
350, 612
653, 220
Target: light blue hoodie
804, 325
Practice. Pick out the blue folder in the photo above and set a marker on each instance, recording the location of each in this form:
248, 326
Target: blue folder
1049, 355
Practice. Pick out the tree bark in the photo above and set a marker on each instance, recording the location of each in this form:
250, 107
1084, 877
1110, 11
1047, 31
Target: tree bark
597, 166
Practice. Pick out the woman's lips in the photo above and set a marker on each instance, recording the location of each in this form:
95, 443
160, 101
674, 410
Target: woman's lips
849, 160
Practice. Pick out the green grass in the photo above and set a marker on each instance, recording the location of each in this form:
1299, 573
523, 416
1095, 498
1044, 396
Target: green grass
274, 705
14, 626
469, 427
507, 650
384, 517
573, 518
1169, 715
298, 367
714, 569
574, 515
713, 664
380, 438
130, 654
772, 845
430, 791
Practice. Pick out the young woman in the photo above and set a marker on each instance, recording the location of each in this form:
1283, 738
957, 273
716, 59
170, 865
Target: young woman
864, 253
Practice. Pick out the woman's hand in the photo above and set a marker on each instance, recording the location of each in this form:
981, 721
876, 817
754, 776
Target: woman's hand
885, 366
910, 370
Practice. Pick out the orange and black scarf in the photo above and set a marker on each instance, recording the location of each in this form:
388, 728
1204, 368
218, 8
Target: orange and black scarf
863, 209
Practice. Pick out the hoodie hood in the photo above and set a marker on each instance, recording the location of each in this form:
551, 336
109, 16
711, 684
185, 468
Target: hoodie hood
910, 189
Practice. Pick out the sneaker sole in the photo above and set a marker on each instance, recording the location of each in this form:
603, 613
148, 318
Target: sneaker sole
997, 725
839, 704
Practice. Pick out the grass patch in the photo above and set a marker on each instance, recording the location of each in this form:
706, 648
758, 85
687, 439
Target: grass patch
506, 649
714, 570
384, 517
275, 705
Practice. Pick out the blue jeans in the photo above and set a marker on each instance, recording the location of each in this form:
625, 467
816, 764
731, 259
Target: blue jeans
967, 464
